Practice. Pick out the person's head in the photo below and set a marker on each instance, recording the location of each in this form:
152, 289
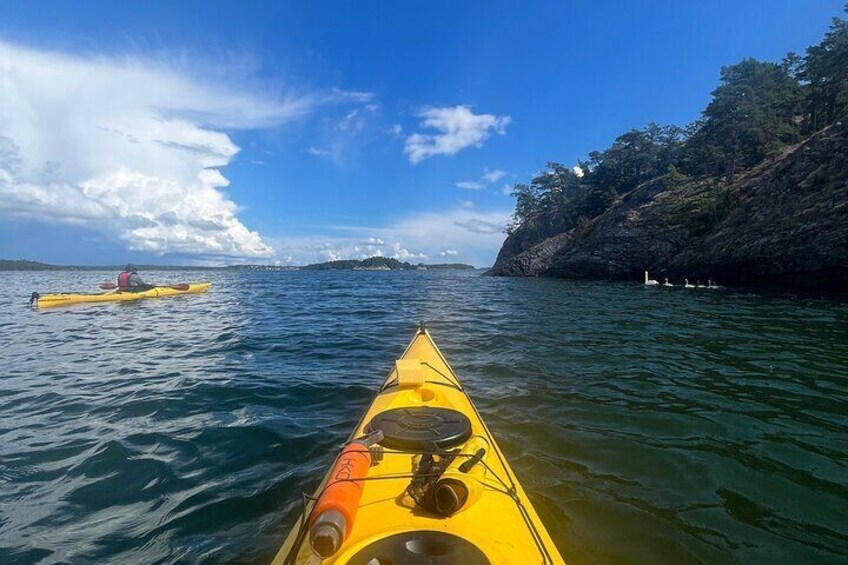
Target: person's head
130, 268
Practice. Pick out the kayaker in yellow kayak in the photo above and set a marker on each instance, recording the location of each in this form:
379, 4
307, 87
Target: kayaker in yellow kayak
131, 281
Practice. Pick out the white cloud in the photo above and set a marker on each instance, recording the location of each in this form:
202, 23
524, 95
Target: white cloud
457, 126
477, 225
472, 236
341, 139
489, 177
352, 120
396, 130
466, 203
336, 94
493, 176
578, 172
128, 147
320, 152
507, 190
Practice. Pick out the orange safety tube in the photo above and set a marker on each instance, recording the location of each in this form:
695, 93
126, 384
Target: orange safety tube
345, 484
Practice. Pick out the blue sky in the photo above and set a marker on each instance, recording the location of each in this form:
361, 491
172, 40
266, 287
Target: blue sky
209, 132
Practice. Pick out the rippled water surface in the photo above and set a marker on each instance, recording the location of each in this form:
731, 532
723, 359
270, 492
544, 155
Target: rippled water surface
648, 425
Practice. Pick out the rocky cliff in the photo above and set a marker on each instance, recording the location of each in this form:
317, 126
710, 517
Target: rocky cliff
783, 223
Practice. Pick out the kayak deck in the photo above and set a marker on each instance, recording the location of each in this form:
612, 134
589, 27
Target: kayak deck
69, 298
500, 522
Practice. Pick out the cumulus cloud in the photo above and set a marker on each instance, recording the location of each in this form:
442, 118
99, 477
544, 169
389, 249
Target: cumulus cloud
578, 172
457, 127
312, 249
489, 177
477, 225
493, 176
129, 147
475, 234
466, 235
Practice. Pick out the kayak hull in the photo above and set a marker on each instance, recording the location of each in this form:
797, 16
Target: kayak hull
71, 298
501, 522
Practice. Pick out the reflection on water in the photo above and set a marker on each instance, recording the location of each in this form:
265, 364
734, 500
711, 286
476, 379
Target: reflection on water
647, 425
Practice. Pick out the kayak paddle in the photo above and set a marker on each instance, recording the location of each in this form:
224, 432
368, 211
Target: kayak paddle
113, 286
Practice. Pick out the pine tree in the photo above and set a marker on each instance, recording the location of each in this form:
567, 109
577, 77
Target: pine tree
753, 113
825, 69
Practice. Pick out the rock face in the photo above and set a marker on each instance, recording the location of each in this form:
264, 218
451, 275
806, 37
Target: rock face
783, 223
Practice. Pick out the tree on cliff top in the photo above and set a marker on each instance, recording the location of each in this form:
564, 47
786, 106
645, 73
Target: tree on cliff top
558, 192
825, 68
757, 110
636, 156
754, 113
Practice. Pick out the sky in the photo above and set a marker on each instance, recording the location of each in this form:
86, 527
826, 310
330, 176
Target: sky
290, 133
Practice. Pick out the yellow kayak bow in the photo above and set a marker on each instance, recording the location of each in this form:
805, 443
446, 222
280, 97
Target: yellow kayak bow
421, 480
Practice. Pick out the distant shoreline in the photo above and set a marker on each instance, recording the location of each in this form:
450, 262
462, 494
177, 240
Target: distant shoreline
370, 264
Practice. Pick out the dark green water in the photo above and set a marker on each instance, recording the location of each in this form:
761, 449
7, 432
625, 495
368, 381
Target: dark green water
648, 425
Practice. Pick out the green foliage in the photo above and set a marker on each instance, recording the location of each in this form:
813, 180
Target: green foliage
674, 178
526, 205
24, 265
792, 64
369, 263
583, 227
751, 116
825, 70
758, 109
635, 157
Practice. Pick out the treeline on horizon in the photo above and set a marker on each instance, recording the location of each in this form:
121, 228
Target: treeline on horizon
379, 262
27, 265
758, 109
371, 262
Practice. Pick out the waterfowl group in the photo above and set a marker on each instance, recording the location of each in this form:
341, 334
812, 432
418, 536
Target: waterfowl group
711, 284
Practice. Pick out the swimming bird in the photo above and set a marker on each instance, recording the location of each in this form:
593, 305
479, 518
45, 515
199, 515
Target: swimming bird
699, 285
666, 283
687, 285
713, 285
650, 282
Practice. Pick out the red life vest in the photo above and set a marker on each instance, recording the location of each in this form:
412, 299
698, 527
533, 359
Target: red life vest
124, 281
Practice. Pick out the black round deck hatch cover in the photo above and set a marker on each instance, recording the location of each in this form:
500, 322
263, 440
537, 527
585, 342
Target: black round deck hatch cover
418, 428
420, 547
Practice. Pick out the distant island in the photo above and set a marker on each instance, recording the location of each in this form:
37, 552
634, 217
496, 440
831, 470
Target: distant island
382, 264
755, 193
369, 264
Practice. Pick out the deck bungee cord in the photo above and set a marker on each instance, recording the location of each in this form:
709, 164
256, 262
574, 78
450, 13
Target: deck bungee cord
308, 514
420, 479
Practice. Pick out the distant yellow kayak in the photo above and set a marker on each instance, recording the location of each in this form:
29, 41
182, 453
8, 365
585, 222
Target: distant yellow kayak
66, 299
421, 480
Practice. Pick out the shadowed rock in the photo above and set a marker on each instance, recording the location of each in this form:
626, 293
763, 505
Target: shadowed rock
783, 223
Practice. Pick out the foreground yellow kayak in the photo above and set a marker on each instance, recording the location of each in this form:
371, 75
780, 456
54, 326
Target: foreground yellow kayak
421, 480
66, 299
